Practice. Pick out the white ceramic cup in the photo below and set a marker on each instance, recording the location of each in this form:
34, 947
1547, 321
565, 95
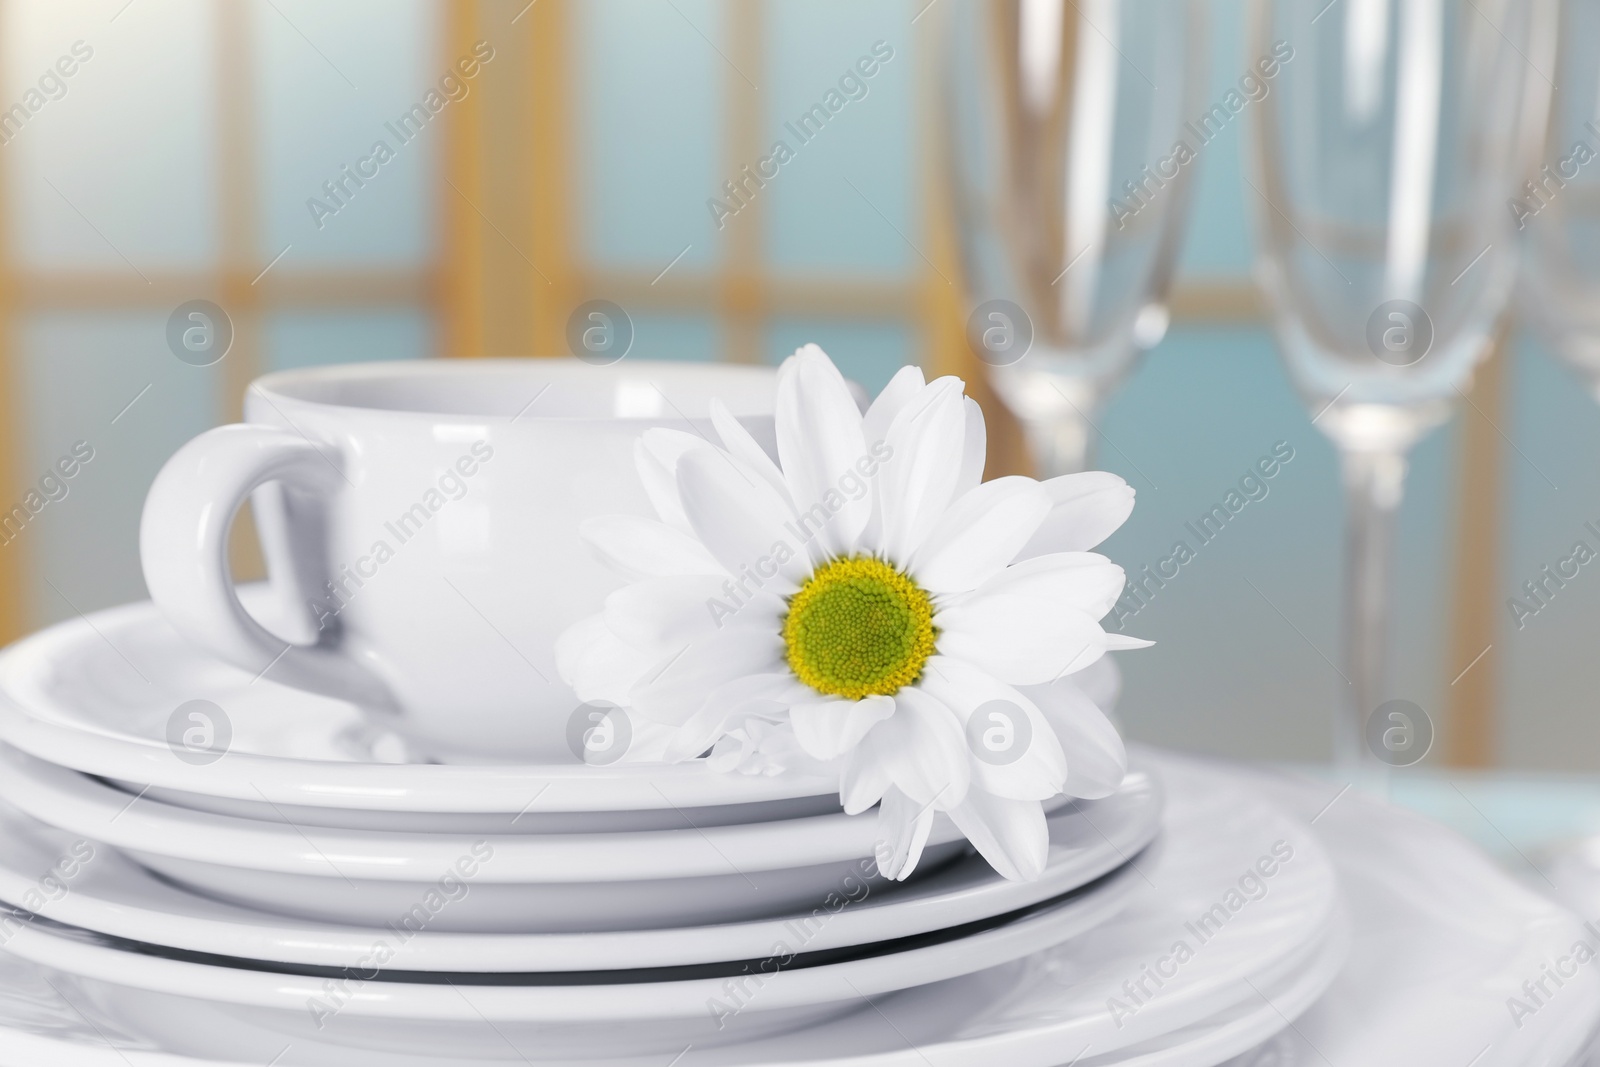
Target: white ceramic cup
420, 525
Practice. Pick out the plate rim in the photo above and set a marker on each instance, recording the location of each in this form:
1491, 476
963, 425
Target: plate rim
34, 723
638, 1002
911, 911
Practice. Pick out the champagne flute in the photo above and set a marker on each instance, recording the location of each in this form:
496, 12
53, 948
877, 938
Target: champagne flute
1070, 165
1382, 163
1557, 208
1557, 212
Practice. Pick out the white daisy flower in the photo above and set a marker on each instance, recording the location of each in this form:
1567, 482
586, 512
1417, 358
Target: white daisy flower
866, 605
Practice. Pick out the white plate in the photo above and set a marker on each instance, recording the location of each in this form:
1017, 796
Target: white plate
1243, 1026
527, 883
1570, 870
97, 693
1038, 1011
91, 807
111, 895
1445, 940
502, 822
77, 1045
1441, 939
604, 1014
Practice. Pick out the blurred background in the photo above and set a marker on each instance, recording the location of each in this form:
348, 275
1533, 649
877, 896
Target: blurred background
203, 151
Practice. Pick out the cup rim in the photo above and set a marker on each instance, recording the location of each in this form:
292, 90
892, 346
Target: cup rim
293, 386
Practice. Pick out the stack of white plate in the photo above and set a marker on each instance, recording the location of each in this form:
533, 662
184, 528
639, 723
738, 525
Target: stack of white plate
289, 898
1440, 940
273, 892
274, 872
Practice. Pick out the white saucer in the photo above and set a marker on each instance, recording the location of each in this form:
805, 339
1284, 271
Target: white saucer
96, 694
1037, 1011
554, 1016
91, 807
111, 895
77, 1045
1445, 940
508, 883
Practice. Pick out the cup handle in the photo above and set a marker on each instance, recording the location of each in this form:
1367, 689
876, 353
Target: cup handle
183, 546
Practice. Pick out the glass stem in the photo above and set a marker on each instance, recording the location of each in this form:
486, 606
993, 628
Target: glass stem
1060, 443
1373, 482
1056, 409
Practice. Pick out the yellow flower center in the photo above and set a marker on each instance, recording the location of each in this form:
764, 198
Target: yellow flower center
858, 627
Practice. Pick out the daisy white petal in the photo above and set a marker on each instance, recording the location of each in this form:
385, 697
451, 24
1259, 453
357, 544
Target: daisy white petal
1122, 642
906, 384
918, 479
826, 729
596, 663
975, 449
751, 695
1098, 760
660, 485
655, 456
979, 534
1011, 834
1086, 581
647, 741
676, 687
1088, 508
863, 781
668, 445
737, 752
662, 613
733, 754
645, 548
1020, 638
740, 519
922, 748
903, 828
737, 440
1101, 682
758, 747
1036, 768
819, 442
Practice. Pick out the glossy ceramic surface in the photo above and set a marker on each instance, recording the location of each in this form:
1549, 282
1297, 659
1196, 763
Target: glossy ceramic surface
102, 694
1036, 1011
107, 893
1245, 1025
1201, 1045
1441, 938
1450, 939
516, 883
422, 520
623, 1013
